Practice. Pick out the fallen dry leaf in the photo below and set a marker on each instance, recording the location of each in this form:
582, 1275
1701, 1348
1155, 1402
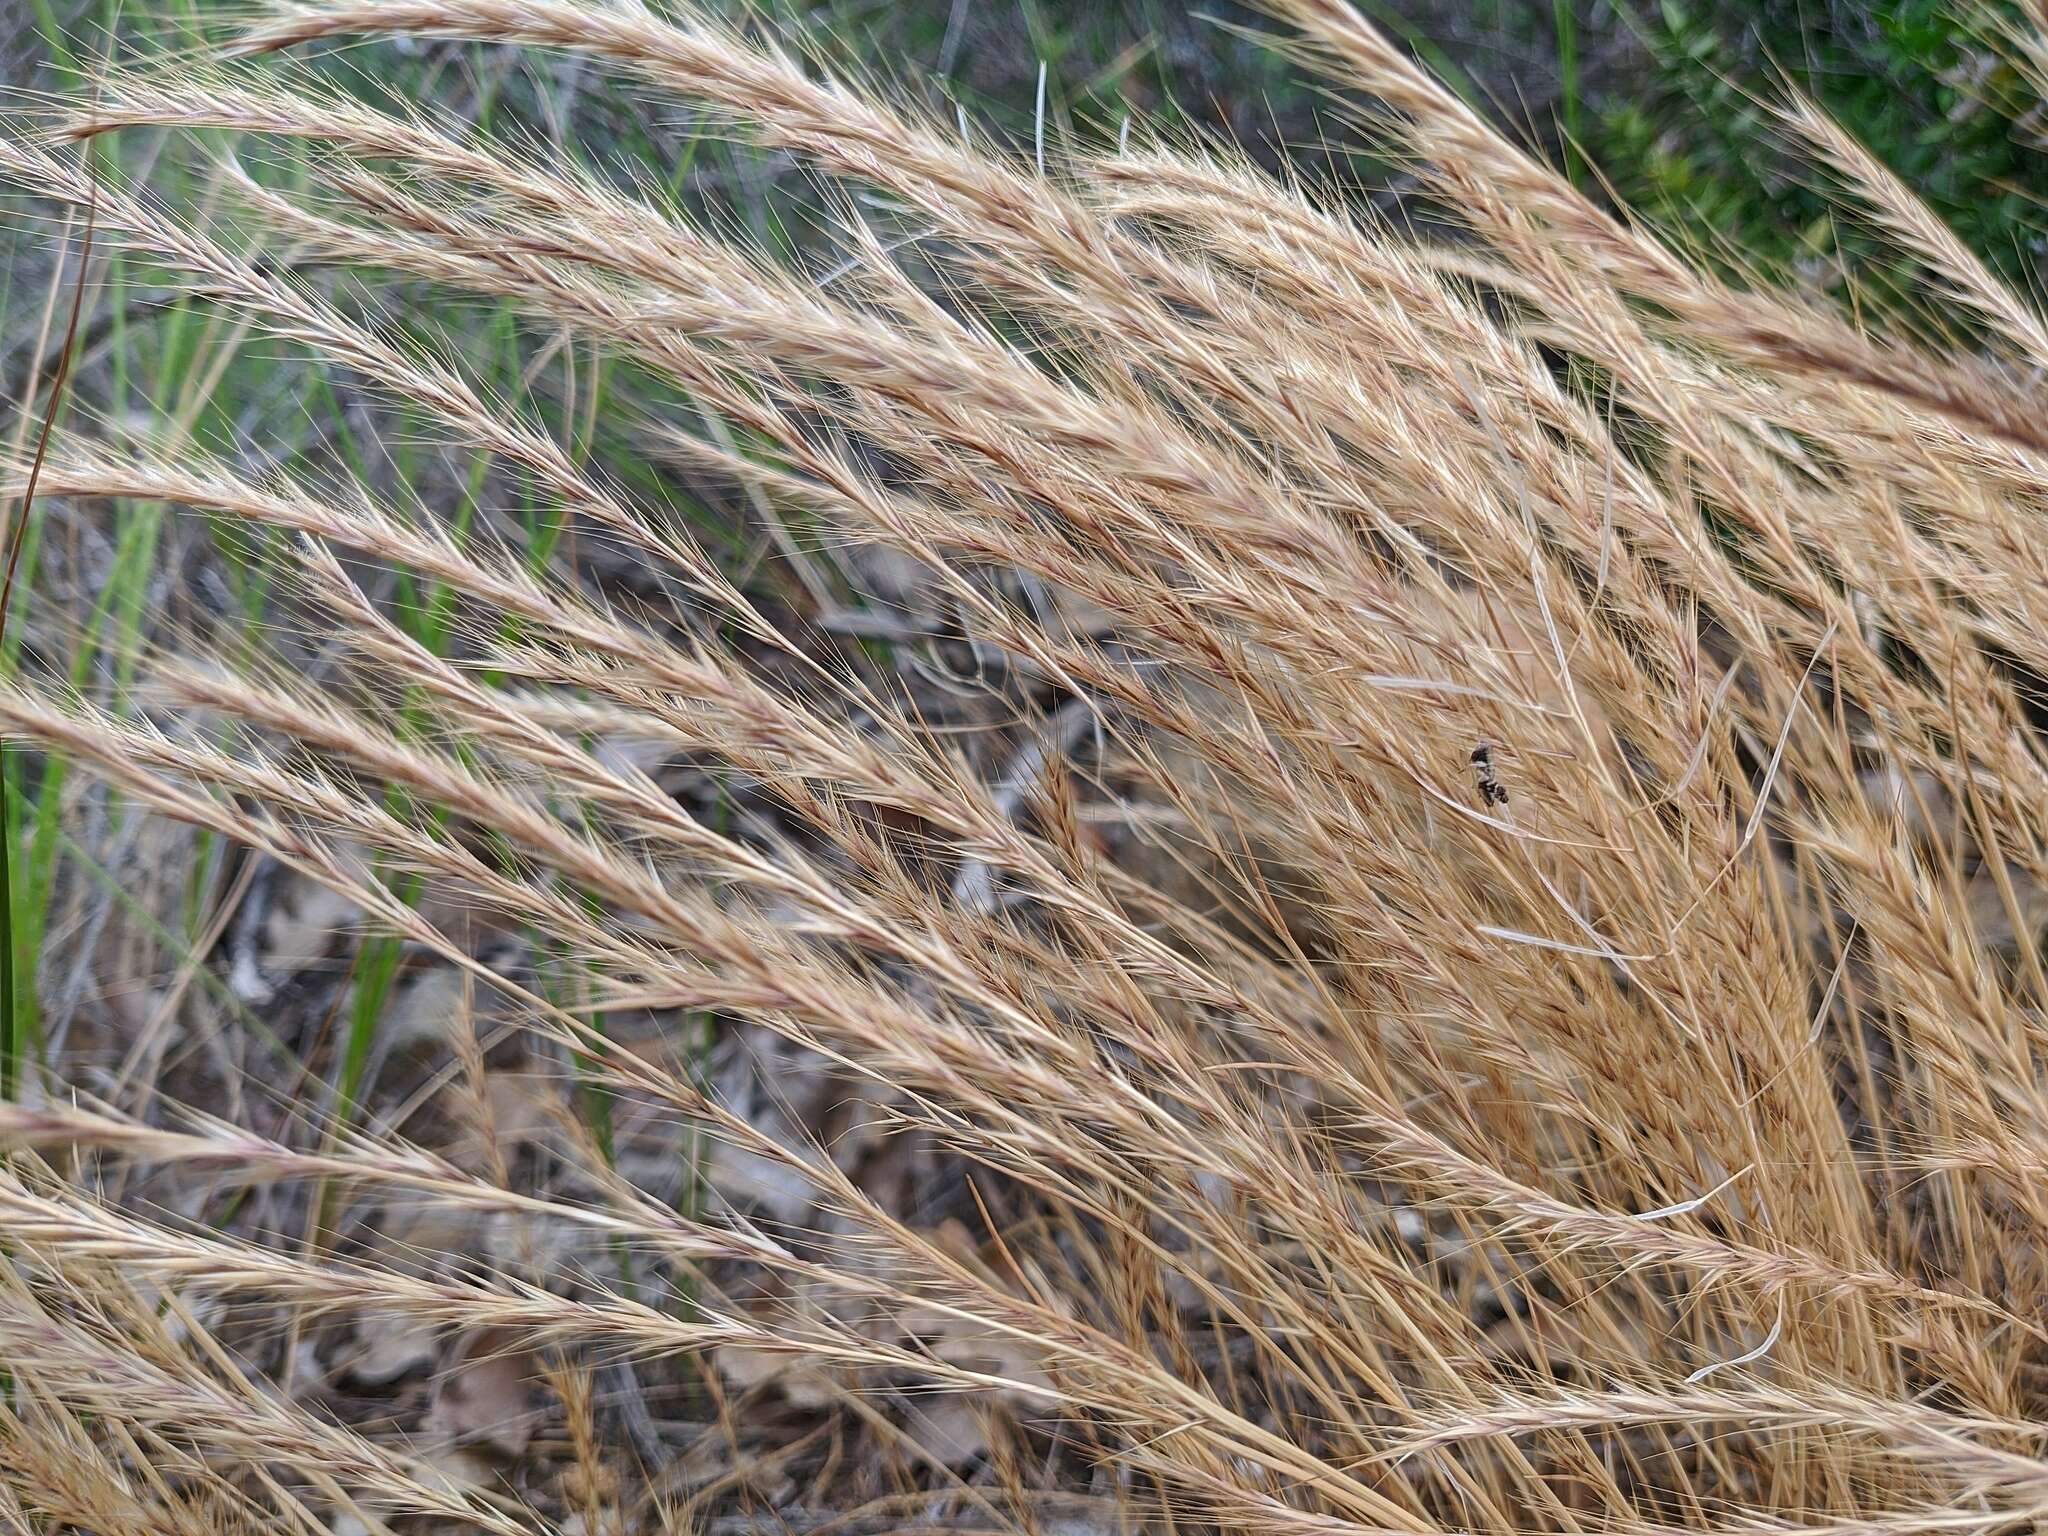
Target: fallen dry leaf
486, 1398
386, 1347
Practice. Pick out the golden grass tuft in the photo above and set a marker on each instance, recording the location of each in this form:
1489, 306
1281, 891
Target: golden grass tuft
1345, 1148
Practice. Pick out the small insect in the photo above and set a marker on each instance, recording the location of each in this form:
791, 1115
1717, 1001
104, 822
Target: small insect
1491, 790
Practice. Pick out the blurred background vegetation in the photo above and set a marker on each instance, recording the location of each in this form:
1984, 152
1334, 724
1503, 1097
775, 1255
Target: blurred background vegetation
1661, 102
1664, 97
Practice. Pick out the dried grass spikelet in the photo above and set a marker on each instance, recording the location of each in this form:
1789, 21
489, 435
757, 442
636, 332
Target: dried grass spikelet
1248, 1094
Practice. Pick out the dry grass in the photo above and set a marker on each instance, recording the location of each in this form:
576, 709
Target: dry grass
1659, 1147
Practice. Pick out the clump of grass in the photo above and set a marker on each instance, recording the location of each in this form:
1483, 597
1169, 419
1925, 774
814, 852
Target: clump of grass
1646, 1138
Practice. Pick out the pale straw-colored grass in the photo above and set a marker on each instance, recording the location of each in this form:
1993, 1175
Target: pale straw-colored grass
1660, 1149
